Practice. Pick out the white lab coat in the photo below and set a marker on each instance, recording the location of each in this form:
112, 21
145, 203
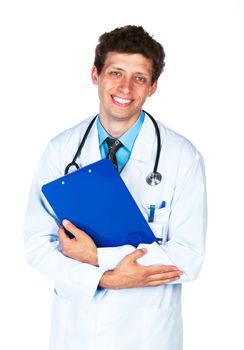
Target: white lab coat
86, 317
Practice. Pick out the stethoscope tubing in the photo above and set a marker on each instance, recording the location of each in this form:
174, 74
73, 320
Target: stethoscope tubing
78, 152
158, 141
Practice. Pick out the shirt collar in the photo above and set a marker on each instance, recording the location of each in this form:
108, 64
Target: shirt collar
128, 138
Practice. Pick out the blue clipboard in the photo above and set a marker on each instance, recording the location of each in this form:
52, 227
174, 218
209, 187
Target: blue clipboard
96, 200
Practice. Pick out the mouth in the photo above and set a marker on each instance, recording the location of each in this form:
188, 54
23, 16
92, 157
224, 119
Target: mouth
122, 102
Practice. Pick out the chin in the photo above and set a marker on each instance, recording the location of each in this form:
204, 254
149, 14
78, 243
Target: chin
123, 115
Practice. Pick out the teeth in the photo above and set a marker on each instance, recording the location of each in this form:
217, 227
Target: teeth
121, 100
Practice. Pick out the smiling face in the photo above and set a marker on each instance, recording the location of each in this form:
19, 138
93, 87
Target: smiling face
123, 86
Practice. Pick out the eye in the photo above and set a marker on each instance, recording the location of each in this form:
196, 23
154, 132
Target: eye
115, 74
140, 79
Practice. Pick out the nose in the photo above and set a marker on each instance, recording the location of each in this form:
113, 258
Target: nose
125, 85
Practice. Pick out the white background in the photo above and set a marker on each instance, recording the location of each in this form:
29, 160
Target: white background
47, 50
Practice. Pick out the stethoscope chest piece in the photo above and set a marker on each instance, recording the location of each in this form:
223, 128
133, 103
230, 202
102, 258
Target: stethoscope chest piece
154, 178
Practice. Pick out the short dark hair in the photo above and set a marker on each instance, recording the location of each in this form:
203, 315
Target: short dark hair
130, 39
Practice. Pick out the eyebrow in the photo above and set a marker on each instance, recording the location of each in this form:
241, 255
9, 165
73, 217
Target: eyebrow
118, 68
121, 69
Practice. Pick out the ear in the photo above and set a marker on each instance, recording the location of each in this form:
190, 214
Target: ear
94, 75
152, 88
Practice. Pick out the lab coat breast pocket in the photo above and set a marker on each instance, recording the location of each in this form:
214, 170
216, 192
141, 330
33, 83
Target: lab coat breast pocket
159, 226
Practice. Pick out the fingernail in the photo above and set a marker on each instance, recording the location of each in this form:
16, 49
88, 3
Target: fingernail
65, 222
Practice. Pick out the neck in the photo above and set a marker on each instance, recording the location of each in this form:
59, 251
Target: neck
116, 127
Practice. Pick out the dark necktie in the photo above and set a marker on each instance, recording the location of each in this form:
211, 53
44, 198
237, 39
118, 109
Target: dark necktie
113, 146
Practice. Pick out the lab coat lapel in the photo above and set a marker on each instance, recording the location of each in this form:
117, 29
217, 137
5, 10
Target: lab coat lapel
91, 152
141, 153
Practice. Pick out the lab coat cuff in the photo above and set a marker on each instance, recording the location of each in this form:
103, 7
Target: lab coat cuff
108, 258
88, 286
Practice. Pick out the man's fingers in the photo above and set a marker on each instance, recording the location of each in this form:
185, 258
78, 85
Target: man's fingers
136, 254
168, 268
161, 269
161, 282
164, 276
63, 237
71, 228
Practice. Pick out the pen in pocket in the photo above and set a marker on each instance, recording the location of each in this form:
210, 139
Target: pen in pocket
152, 209
162, 205
151, 213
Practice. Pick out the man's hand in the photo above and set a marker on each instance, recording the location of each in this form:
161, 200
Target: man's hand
130, 274
81, 248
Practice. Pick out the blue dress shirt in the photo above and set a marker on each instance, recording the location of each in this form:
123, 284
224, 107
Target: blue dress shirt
128, 139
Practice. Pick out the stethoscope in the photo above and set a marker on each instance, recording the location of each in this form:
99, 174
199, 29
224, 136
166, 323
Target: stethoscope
153, 179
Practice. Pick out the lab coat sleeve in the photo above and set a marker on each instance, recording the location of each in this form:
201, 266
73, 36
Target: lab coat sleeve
109, 257
42, 248
187, 225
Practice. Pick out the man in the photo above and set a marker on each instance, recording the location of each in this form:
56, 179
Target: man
124, 297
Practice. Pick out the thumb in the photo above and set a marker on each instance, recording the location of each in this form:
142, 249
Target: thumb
138, 253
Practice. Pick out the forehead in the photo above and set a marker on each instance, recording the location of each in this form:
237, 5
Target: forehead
131, 62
